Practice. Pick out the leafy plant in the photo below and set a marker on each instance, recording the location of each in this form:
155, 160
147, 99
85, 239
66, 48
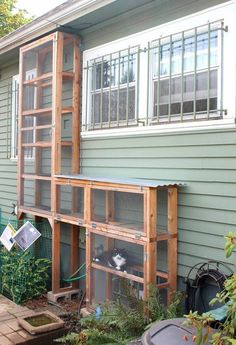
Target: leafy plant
22, 275
226, 334
10, 17
117, 323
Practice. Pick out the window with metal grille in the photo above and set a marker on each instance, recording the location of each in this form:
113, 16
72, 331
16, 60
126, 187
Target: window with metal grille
111, 97
186, 74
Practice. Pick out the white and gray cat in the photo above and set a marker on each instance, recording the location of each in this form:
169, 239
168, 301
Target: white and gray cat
115, 258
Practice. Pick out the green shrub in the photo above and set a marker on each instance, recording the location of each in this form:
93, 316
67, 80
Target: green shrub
22, 275
118, 323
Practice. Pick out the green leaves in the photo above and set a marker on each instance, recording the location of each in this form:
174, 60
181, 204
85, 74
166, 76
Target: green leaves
230, 244
10, 18
22, 276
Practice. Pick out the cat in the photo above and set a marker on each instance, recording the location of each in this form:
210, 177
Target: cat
115, 258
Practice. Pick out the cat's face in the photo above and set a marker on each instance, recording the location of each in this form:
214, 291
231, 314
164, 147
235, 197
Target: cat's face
119, 252
119, 257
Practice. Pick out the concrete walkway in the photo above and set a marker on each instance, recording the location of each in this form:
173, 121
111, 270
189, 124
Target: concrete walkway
11, 333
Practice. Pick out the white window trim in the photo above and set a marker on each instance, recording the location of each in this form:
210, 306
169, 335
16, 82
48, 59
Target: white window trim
224, 12
14, 114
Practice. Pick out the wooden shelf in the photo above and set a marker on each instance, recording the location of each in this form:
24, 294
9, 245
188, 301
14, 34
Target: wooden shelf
35, 128
163, 275
34, 81
36, 177
117, 273
37, 79
35, 211
66, 143
66, 110
70, 219
68, 75
38, 144
111, 233
33, 112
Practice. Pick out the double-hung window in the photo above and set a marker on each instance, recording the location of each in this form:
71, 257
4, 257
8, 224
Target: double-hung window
179, 74
186, 75
112, 89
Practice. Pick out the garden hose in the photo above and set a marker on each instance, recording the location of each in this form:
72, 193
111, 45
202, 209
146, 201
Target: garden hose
72, 278
211, 270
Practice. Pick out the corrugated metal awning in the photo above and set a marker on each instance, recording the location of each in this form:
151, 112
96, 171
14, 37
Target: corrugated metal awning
126, 181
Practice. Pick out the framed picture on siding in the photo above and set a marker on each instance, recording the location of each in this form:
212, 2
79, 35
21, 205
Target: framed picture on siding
26, 236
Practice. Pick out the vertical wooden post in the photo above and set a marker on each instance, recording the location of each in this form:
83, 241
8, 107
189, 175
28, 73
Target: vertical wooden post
76, 109
56, 152
150, 255
110, 213
56, 112
87, 219
56, 240
110, 206
172, 241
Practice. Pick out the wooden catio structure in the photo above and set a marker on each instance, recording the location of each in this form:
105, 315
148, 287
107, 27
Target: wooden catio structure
136, 216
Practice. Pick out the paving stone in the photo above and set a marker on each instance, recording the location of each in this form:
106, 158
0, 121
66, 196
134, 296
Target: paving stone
6, 316
13, 324
17, 309
15, 338
5, 341
4, 329
25, 335
24, 313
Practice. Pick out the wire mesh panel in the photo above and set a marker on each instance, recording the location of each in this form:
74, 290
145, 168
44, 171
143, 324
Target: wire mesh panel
70, 201
116, 265
37, 161
162, 211
37, 77
117, 255
36, 124
120, 209
108, 287
37, 193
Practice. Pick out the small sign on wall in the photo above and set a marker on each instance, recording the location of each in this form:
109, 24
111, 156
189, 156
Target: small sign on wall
26, 236
7, 237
